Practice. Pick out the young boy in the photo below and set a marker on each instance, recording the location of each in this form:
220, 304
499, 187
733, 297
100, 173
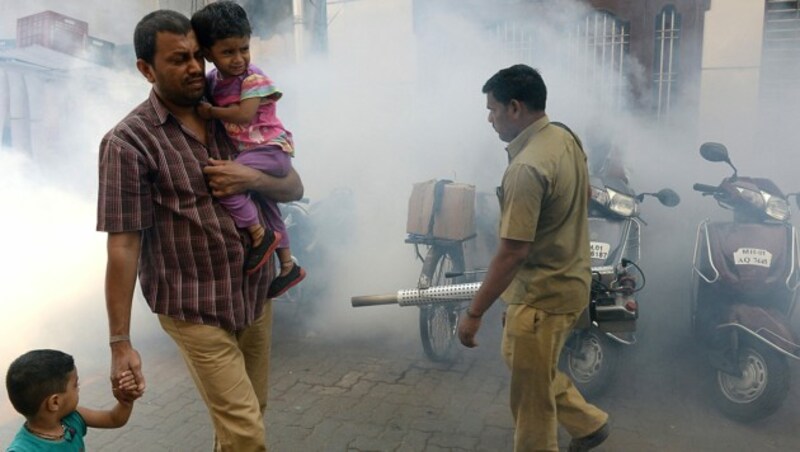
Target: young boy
43, 386
244, 100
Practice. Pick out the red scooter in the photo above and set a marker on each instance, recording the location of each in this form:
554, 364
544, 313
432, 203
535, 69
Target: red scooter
745, 280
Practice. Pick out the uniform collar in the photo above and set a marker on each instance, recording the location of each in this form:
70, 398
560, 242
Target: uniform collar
517, 144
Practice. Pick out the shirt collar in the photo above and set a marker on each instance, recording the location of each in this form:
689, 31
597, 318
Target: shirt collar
516, 145
162, 114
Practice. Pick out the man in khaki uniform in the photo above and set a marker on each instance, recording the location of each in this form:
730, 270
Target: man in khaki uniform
542, 268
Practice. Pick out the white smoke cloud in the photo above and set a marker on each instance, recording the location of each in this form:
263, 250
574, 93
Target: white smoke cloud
375, 116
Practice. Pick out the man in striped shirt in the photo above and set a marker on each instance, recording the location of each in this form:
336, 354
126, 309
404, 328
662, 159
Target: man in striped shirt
161, 171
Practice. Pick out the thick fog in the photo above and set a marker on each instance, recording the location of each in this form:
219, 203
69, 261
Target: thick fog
384, 109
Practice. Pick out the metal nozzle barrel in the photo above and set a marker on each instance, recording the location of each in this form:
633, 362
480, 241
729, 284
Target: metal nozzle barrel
373, 300
417, 297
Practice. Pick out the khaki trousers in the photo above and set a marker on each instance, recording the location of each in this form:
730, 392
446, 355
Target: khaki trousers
541, 395
230, 371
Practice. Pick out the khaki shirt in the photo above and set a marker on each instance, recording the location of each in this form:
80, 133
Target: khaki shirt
544, 201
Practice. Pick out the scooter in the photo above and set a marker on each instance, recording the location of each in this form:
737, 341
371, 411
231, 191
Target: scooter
318, 231
745, 280
593, 349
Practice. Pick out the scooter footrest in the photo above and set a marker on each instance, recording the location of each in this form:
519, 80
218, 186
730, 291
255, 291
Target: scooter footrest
622, 326
613, 313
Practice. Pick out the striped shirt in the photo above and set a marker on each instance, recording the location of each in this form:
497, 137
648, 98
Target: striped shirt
192, 259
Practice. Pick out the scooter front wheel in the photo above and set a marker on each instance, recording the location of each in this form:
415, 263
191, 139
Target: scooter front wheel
759, 390
590, 359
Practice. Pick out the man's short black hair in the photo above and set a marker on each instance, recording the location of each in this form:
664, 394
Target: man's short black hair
146, 32
520, 82
35, 376
220, 20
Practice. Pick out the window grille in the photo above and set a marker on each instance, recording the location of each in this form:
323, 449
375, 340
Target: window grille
665, 70
517, 42
197, 5
597, 50
780, 58
594, 51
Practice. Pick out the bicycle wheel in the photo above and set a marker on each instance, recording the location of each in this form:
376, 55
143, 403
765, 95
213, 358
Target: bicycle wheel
438, 323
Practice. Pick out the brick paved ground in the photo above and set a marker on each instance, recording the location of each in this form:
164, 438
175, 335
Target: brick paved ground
375, 393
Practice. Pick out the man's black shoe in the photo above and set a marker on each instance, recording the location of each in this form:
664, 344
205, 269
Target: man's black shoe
590, 441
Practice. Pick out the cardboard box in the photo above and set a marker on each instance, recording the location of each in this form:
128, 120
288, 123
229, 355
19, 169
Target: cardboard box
455, 218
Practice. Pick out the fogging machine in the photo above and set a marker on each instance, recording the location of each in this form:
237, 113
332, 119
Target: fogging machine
417, 297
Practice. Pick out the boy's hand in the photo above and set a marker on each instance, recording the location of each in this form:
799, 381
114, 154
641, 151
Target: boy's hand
204, 110
127, 382
126, 390
126, 397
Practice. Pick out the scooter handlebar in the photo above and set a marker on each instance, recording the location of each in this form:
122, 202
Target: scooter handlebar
705, 188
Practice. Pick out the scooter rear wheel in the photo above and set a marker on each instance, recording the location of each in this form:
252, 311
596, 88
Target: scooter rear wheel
760, 389
590, 359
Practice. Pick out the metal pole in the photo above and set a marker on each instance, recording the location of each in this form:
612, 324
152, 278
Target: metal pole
299, 29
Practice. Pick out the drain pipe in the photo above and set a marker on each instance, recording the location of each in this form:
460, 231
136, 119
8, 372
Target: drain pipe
298, 13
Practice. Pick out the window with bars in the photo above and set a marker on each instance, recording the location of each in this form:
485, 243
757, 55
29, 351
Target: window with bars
780, 58
517, 41
197, 5
665, 68
597, 49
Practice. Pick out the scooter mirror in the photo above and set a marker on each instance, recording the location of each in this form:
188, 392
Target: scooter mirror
668, 197
714, 152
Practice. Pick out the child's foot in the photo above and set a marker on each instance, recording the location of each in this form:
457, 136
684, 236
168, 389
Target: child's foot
259, 255
285, 282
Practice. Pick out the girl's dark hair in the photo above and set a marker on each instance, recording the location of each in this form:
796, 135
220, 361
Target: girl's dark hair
35, 376
519, 82
220, 20
145, 34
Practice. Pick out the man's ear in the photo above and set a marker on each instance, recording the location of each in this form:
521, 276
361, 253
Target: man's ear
515, 107
146, 69
205, 51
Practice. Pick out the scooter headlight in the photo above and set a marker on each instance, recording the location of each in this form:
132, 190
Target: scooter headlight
600, 196
622, 204
756, 198
777, 207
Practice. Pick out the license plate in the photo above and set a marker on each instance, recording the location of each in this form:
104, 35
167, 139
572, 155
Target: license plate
752, 256
599, 250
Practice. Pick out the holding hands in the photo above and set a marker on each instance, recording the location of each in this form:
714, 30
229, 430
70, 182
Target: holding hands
125, 388
127, 380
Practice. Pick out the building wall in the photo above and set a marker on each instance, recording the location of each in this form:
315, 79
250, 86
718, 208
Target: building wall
390, 53
730, 71
109, 20
641, 15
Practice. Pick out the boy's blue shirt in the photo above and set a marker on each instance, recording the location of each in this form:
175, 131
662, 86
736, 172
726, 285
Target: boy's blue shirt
75, 430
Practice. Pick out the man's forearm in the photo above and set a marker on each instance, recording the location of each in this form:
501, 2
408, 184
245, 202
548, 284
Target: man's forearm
279, 189
501, 271
123, 260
